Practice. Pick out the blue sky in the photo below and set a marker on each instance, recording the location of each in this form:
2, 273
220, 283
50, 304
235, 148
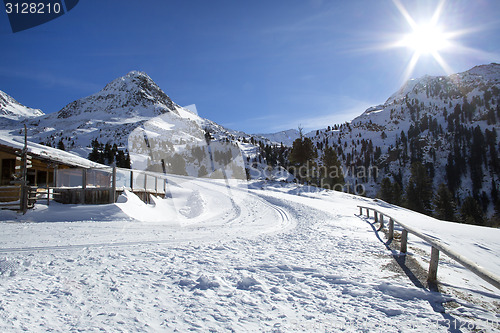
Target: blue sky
256, 66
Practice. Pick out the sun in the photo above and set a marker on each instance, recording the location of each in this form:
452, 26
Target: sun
430, 36
426, 39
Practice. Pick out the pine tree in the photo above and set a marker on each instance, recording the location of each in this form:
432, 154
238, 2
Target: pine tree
109, 156
495, 219
202, 171
119, 158
386, 190
126, 163
419, 190
397, 194
94, 154
208, 135
331, 171
302, 157
60, 145
471, 213
476, 160
178, 165
494, 191
444, 204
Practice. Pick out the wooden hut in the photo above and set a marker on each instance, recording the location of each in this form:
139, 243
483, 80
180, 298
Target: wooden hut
44, 162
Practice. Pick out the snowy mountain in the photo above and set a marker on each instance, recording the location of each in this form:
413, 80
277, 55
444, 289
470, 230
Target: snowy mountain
133, 113
108, 115
286, 137
448, 123
442, 122
259, 255
13, 110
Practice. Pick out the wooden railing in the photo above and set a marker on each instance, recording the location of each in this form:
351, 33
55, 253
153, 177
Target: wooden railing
436, 247
102, 186
10, 197
86, 186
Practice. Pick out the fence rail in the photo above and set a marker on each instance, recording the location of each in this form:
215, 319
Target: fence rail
11, 197
97, 186
436, 247
87, 186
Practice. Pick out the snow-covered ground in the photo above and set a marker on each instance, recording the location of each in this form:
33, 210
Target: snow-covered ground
221, 256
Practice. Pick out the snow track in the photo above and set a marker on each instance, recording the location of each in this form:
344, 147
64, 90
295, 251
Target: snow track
247, 260
229, 213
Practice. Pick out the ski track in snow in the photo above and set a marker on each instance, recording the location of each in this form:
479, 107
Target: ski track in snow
261, 261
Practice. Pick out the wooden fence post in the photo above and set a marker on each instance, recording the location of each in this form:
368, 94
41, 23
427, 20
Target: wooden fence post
131, 181
391, 229
436, 247
84, 185
146, 195
56, 168
112, 194
368, 213
433, 265
404, 241
47, 183
375, 216
381, 222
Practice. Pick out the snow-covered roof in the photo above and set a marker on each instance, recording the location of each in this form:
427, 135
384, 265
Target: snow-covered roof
45, 152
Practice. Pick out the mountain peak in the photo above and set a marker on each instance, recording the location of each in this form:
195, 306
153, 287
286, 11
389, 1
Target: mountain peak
132, 81
12, 109
132, 95
469, 78
136, 73
488, 71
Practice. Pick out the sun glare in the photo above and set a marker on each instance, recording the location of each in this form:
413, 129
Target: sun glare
426, 39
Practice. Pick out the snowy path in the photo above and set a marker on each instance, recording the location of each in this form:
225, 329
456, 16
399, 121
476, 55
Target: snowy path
225, 213
243, 260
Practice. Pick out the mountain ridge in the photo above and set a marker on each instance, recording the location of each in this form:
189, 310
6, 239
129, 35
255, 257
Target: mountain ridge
13, 110
431, 119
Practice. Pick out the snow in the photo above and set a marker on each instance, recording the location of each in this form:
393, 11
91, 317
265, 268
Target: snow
479, 241
286, 137
13, 110
227, 256
67, 158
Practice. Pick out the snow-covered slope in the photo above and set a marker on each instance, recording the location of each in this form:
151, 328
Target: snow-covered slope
433, 120
272, 257
135, 114
430, 119
109, 115
13, 110
286, 137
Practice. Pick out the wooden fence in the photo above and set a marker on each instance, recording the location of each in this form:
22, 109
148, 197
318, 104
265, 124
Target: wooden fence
11, 197
87, 186
436, 247
102, 186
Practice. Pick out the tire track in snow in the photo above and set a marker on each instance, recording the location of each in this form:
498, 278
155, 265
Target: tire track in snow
287, 222
209, 186
203, 231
